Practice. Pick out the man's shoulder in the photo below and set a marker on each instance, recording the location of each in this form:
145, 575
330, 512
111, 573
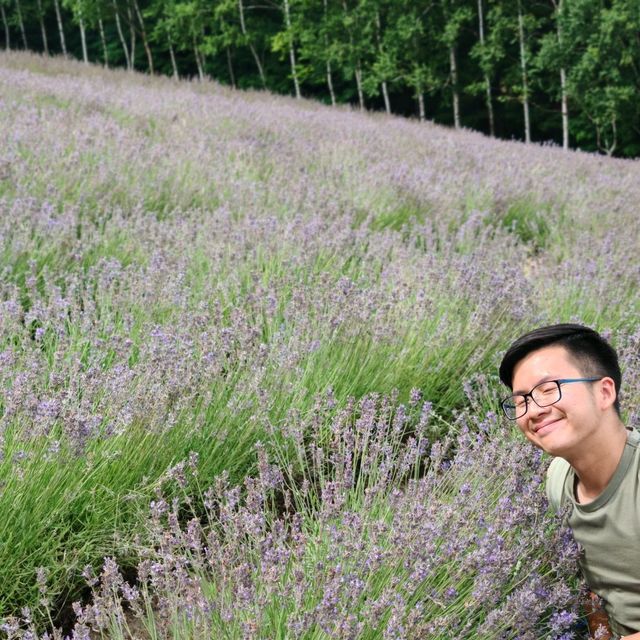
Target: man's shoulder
633, 437
557, 465
556, 476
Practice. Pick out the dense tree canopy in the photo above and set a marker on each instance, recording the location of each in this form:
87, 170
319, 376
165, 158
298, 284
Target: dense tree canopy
563, 71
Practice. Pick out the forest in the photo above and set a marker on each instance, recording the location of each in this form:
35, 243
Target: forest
559, 72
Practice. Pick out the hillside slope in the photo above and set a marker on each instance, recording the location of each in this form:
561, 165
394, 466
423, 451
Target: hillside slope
187, 270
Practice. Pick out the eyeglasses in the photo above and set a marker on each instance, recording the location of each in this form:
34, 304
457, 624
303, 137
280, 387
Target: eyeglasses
543, 394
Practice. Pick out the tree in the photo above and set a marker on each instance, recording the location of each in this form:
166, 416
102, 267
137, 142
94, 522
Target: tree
222, 36
132, 34
524, 57
605, 79
247, 38
103, 40
79, 9
510, 27
143, 33
354, 44
188, 24
88, 14
43, 31
564, 100
382, 71
412, 28
5, 23
481, 52
456, 15
284, 40
23, 32
161, 15
63, 42
554, 56
318, 31
123, 42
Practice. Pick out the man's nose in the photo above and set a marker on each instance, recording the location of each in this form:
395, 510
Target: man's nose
535, 410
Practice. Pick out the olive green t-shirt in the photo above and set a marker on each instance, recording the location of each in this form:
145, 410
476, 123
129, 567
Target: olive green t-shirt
608, 530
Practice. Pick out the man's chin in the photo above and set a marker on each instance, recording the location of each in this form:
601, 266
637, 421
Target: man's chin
551, 441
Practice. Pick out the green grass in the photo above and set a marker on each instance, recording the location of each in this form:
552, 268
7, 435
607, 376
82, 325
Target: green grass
63, 510
68, 510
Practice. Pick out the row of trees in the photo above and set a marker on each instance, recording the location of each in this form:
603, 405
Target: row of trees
562, 70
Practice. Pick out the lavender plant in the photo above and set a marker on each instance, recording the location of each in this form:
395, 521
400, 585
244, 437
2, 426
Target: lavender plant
376, 534
183, 267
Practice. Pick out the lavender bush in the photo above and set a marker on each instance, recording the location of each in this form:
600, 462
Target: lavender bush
374, 534
184, 268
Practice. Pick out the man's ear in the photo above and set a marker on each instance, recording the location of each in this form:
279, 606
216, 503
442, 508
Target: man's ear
607, 392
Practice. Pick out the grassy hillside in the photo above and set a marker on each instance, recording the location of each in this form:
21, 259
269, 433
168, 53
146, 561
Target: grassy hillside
188, 270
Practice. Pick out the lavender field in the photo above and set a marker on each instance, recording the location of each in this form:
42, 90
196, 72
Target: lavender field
248, 362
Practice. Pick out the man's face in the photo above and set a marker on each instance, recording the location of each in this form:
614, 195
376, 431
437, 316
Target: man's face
559, 429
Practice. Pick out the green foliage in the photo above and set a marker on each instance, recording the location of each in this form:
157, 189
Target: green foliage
529, 222
397, 219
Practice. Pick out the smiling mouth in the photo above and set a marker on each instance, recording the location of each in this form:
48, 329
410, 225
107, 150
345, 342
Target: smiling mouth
543, 427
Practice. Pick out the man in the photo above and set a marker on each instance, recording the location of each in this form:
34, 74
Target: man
565, 381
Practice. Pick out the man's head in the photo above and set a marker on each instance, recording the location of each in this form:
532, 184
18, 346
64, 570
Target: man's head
565, 381
590, 352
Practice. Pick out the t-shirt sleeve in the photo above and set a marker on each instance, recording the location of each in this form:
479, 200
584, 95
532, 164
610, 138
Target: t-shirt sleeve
556, 476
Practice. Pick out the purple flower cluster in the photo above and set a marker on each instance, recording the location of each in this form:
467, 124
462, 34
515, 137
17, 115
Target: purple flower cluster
462, 549
186, 268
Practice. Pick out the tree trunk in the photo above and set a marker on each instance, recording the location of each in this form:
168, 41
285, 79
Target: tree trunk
604, 144
45, 42
332, 93
172, 55
243, 28
421, 109
602, 139
198, 60
487, 81
523, 66
232, 76
104, 43
143, 31
63, 43
358, 71
294, 73
492, 120
7, 36
121, 34
385, 95
132, 36
83, 39
565, 109
21, 23
292, 52
203, 57
359, 86
564, 103
454, 86
385, 90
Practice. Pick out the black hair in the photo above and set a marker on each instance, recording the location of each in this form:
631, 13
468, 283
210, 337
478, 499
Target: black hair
591, 352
